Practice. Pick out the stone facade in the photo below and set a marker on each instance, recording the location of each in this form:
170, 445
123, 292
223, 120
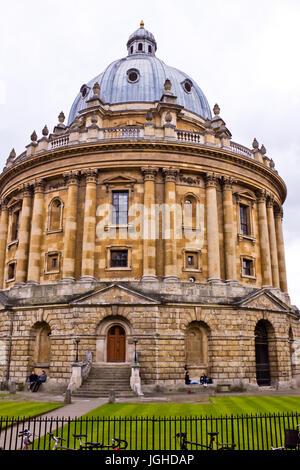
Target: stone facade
148, 218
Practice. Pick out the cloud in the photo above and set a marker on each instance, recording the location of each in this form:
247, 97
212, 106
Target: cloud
243, 54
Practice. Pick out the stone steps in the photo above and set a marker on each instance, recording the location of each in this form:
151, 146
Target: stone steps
106, 378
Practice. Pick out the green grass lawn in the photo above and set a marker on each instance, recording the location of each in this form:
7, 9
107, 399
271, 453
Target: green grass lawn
13, 409
219, 406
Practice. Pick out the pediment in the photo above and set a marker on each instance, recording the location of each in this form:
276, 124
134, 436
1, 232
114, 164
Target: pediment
264, 300
120, 180
115, 295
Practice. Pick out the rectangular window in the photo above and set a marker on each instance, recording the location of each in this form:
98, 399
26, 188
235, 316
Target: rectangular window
247, 267
11, 271
120, 207
119, 258
244, 220
190, 260
15, 225
52, 263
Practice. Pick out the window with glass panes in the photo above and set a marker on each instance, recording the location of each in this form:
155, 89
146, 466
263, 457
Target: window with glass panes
120, 207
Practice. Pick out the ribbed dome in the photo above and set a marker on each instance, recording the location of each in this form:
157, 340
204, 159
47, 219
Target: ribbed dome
140, 77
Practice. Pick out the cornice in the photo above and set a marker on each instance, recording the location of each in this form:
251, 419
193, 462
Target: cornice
138, 146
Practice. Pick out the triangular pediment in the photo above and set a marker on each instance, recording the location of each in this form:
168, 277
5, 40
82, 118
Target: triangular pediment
115, 295
120, 180
264, 300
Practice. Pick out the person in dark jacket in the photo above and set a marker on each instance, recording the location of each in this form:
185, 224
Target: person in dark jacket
41, 378
187, 378
32, 378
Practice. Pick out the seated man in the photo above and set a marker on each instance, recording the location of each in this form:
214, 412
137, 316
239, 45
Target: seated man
32, 379
41, 378
188, 381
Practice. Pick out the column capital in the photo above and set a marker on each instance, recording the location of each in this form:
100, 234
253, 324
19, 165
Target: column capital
278, 212
270, 201
38, 185
149, 173
261, 195
90, 175
210, 180
26, 190
170, 174
3, 204
71, 177
227, 182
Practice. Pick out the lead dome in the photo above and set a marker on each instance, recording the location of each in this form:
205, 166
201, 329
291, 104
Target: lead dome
140, 77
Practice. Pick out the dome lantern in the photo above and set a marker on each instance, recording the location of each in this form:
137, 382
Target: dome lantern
141, 42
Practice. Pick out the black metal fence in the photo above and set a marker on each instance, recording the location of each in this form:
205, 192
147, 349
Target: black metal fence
248, 432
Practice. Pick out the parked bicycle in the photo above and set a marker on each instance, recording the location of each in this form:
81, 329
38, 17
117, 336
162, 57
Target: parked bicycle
117, 444
182, 436
26, 439
291, 439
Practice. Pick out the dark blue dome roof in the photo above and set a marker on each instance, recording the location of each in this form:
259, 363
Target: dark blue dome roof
140, 77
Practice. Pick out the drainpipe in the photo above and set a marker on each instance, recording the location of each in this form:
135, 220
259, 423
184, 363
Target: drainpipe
10, 345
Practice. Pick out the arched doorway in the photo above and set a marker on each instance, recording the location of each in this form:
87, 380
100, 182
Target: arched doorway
263, 376
116, 340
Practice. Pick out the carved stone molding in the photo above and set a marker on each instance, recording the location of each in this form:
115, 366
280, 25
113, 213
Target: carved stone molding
170, 174
149, 173
210, 180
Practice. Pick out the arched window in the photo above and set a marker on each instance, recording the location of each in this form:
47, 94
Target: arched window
140, 46
55, 215
41, 347
262, 354
190, 209
196, 345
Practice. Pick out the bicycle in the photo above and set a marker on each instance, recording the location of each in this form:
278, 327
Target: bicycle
27, 435
88, 445
291, 439
213, 438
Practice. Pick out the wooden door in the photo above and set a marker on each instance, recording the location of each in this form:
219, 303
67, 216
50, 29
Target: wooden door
116, 344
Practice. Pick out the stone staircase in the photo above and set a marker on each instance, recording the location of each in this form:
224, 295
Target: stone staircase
104, 378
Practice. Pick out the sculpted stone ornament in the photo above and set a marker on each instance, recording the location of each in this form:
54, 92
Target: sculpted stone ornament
255, 144
96, 89
45, 131
33, 136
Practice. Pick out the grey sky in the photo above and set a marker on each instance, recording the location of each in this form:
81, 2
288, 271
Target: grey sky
243, 54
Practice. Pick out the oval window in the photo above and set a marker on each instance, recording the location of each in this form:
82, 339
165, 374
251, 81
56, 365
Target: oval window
187, 86
133, 75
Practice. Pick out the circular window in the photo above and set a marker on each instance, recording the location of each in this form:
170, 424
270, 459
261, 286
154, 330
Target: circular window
192, 279
84, 90
187, 86
133, 75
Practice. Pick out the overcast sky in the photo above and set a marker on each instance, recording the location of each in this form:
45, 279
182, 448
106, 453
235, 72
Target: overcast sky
243, 54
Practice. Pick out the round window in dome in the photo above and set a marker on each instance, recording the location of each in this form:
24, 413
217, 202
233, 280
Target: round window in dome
84, 90
187, 86
133, 75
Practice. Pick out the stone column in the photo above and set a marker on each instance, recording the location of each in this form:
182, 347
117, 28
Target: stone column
89, 227
69, 253
264, 243
273, 242
212, 228
149, 232
280, 249
169, 225
3, 240
229, 231
24, 235
34, 257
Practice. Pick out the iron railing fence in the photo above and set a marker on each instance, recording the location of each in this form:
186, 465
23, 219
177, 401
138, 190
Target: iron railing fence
248, 432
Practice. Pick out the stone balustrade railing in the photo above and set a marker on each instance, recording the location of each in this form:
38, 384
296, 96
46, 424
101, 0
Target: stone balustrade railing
129, 133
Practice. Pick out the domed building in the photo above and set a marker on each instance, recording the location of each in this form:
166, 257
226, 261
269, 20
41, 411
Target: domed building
139, 240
